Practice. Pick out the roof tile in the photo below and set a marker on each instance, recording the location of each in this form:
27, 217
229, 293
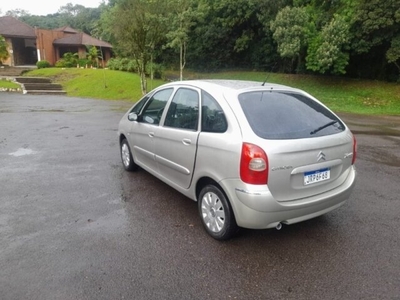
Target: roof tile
81, 39
12, 27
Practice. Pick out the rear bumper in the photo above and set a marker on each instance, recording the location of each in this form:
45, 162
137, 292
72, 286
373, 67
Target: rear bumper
255, 207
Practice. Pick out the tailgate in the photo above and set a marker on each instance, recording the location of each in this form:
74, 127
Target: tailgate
301, 168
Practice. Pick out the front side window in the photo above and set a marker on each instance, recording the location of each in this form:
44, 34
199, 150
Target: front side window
139, 105
287, 115
183, 112
155, 107
212, 116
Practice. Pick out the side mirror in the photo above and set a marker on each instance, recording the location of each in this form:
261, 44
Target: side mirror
133, 116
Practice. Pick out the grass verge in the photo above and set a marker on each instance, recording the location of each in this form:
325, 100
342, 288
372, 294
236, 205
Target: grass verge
97, 83
340, 94
8, 84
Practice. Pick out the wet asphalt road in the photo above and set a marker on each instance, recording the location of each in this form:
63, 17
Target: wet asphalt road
74, 225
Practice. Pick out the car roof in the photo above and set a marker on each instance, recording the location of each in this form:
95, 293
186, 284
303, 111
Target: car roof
232, 85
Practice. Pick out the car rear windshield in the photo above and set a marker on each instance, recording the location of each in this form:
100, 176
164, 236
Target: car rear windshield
287, 115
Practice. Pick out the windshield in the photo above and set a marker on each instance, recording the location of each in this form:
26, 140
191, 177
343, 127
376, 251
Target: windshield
287, 115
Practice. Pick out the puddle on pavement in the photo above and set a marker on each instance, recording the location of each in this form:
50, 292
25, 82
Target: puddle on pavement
381, 154
46, 110
22, 152
388, 160
380, 132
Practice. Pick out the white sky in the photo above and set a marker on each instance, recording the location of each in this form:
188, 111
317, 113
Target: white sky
37, 7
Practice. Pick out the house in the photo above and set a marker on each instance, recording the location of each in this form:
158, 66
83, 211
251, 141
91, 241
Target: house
28, 45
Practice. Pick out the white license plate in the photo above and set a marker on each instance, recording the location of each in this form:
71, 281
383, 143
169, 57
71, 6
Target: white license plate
317, 176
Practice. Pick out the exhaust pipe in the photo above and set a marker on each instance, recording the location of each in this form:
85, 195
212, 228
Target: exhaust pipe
278, 226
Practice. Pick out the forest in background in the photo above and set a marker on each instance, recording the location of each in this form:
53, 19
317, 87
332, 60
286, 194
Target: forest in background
353, 38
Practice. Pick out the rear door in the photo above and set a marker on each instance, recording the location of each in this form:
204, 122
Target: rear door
176, 140
309, 149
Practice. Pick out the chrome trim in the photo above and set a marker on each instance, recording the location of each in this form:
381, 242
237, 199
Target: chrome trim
346, 155
321, 156
317, 166
172, 165
250, 192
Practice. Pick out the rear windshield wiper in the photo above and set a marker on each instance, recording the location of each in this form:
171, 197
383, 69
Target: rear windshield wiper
324, 126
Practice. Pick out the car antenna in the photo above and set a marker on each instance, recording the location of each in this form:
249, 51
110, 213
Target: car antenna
266, 78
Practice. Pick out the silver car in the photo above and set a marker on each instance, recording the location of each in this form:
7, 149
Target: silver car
252, 154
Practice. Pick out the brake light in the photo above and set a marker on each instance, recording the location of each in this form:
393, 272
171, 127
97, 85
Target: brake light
353, 160
253, 165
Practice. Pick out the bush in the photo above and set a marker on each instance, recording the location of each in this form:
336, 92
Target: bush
69, 60
111, 64
122, 64
83, 62
60, 63
41, 64
130, 65
158, 70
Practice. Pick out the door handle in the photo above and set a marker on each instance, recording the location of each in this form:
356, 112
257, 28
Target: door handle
186, 142
151, 134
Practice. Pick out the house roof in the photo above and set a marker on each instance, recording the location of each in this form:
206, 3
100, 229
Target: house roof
66, 29
79, 39
12, 27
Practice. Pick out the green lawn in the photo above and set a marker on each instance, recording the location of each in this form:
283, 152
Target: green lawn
340, 94
97, 83
9, 84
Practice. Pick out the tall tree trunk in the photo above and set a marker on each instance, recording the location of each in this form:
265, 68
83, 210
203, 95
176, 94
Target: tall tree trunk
181, 61
143, 83
182, 58
298, 67
142, 74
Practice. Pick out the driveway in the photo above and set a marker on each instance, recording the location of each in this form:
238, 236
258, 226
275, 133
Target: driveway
75, 225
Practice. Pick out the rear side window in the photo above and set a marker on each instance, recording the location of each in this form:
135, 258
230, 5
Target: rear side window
212, 116
287, 115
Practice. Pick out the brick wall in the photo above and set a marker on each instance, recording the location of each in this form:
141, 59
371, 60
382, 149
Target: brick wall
44, 42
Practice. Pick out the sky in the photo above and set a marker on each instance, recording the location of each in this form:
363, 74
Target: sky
42, 7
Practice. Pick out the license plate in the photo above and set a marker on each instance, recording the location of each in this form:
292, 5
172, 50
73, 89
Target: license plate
317, 176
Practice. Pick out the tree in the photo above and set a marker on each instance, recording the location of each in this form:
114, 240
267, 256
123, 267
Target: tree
327, 50
229, 35
290, 32
376, 22
139, 26
70, 9
393, 54
17, 13
79, 17
45, 22
3, 49
93, 55
268, 10
103, 26
376, 32
182, 18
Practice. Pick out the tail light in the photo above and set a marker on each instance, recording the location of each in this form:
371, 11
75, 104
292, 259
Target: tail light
253, 165
353, 160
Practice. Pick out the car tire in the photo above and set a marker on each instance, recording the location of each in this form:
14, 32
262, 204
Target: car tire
126, 157
216, 213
